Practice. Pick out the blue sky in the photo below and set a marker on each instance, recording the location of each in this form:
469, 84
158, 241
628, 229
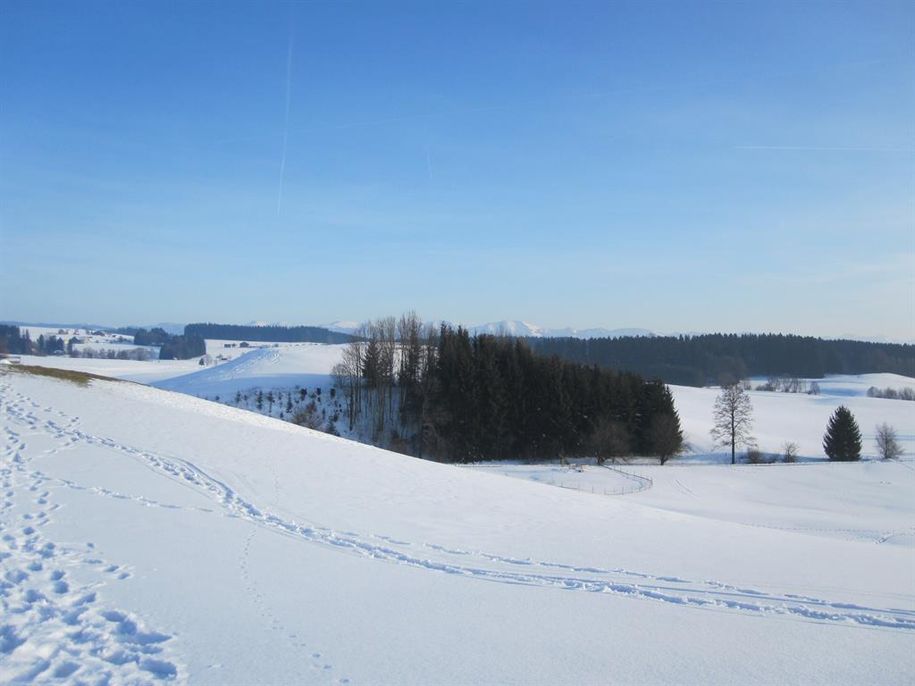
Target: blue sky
676, 166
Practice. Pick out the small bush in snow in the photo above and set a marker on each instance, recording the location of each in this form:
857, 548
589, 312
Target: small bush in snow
756, 456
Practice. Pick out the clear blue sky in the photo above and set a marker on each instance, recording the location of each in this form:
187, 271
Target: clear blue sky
678, 166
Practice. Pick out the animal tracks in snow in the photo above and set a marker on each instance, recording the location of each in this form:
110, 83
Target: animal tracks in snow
314, 660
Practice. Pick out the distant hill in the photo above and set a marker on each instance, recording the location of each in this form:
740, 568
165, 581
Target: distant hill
342, 326
58, 325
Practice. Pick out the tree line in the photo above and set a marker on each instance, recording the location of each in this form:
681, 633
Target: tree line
267, 334
13, 341
444, 394
723, 358
171, 346
904, 393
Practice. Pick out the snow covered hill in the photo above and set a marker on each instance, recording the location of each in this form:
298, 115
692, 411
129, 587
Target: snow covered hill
149, 536
283, 366
342, 326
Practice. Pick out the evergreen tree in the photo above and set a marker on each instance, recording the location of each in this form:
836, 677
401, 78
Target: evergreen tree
371, 369
842, 440
665, 437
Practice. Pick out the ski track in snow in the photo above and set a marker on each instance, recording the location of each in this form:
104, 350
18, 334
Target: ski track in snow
59, 627
52, 627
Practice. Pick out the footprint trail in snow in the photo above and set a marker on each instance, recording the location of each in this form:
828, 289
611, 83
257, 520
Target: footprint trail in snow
708, 594
53, 627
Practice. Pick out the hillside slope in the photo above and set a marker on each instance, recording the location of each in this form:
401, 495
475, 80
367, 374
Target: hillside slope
303, 364
777, 417
149, 535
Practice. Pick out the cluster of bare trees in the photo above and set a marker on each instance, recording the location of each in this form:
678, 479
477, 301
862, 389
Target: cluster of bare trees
382, 370
789, 384
141, 354
903, 393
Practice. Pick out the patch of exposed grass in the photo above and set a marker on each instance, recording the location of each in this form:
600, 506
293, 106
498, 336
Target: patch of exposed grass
80, 378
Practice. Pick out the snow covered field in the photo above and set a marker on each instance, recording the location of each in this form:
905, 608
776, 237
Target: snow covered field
867, 501
284, 366
148, 535
801, 418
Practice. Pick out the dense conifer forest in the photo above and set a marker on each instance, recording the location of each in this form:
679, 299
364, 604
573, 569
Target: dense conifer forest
267, 334
171, 347
712, 358
182, 347
444, 394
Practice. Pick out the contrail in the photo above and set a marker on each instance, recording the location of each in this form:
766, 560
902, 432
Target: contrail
279, 195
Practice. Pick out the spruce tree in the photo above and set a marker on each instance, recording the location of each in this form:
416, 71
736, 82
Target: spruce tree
842, 440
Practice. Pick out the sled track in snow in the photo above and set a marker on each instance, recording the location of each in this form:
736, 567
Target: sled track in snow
708, 594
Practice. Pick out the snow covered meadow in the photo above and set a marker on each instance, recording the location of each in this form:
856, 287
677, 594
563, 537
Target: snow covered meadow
149, 536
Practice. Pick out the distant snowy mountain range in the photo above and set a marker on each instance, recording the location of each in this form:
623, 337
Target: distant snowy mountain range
515, 327
519, 328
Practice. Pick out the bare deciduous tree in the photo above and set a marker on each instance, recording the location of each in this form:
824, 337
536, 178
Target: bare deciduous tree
733, 419
609, 440
887, 444
348, 374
